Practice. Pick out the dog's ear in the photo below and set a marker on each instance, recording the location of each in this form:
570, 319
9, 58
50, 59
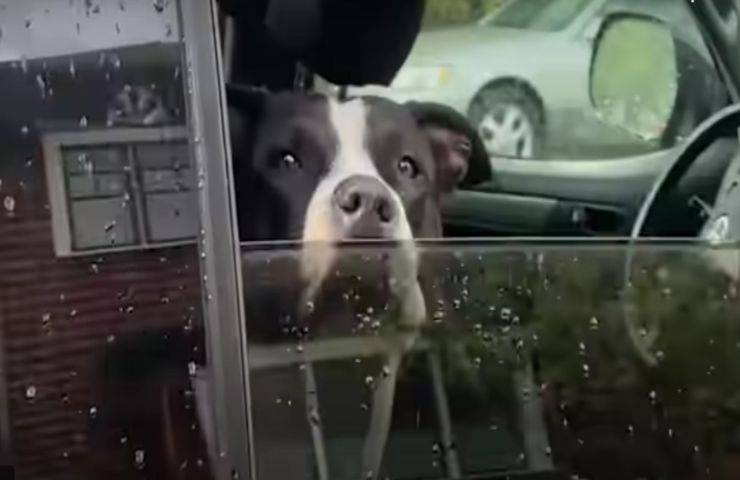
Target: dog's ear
453, 140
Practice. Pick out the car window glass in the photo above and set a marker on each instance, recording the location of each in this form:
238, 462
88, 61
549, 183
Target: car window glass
102, 345
519, 71
600, 362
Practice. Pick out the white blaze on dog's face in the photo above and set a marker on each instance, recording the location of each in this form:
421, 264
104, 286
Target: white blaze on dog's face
353, 162
371, 209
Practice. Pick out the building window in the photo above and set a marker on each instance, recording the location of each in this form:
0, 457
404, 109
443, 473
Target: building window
120, 189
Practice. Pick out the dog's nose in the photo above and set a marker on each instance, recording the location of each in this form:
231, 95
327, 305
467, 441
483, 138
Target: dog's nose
366, 205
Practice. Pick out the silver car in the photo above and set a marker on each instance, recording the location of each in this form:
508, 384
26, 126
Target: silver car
521, 76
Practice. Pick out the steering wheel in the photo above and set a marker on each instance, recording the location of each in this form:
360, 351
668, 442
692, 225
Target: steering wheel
658, 216
715, 142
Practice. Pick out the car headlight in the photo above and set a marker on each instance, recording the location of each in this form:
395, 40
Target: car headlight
418, 78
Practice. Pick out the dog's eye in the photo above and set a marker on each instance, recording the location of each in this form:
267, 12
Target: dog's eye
288, 161
407, 166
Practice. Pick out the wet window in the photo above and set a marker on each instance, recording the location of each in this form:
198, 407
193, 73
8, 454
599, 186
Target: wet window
526, 362
102, 350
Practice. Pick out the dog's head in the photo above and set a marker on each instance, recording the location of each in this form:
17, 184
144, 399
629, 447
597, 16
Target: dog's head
313, 169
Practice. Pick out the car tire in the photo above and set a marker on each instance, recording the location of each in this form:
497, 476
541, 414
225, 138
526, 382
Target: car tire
509, 120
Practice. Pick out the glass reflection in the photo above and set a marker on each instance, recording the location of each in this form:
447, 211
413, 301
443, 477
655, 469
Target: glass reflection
101, 327
598, 362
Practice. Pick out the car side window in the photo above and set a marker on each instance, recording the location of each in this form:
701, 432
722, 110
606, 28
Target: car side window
519, 70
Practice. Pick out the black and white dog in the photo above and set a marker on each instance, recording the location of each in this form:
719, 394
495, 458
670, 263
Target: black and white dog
313, 169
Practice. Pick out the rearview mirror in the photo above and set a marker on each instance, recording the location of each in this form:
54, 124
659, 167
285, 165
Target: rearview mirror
634, 75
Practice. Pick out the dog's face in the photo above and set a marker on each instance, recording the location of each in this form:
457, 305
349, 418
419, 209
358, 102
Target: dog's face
310, 168
137, 106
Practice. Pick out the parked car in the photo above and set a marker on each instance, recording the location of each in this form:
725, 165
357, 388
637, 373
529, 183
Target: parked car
520, 74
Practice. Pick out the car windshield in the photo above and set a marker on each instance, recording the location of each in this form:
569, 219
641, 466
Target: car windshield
543, 15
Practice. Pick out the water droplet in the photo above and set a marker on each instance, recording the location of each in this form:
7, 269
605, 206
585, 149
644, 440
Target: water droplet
310, 307
159, 5
93, 412
139, 459
124, 440
653, 396
9, 204
110, 338
386, 371
630, 430
548, 450
581, 348
30, 392
506, 314
83, 122
28, 22
593, 323
370, 381
73, 313
192, 368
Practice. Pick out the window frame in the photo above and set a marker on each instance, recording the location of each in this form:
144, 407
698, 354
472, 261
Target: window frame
61, 216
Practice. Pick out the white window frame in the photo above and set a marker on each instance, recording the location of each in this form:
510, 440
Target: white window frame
54, 143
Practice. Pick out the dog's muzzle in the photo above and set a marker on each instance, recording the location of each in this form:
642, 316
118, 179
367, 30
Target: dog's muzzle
365, 208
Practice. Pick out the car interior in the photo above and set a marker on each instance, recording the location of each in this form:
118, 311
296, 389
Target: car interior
577, 319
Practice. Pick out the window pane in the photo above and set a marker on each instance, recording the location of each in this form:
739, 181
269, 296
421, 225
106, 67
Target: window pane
103, 370
102, 223
168, 216
91, 161
173, 157
537, 361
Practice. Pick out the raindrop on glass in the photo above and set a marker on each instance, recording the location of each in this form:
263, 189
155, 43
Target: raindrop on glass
369, 381
139, 458
192, 368
506, 314
29, 22
24, 130
93, 412
30, 392
83, 122
593, 323
386, 371
9, 204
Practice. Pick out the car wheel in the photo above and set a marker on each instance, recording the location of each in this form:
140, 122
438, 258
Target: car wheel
509, 121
